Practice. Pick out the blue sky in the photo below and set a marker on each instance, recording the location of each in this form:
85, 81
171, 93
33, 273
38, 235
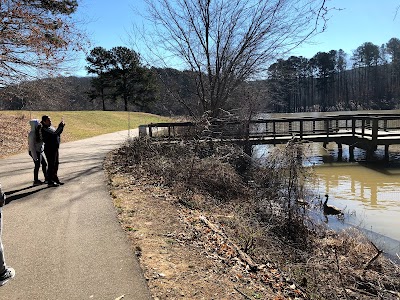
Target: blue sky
357, 21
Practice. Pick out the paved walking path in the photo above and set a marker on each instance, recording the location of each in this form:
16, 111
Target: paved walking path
65, 242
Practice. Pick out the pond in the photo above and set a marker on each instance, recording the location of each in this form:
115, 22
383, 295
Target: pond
369, 193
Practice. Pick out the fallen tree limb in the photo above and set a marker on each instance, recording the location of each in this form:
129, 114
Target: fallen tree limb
242, 255
379, 252
243, 294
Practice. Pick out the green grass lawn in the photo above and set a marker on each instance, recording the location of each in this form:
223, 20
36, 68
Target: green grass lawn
84, 124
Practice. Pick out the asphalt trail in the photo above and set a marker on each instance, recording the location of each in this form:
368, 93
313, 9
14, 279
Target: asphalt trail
65, 242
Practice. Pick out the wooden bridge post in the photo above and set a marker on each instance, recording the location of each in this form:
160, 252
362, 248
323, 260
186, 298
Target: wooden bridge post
374, 138
351, 153
387, 152
274, 130
301, 129
340, 151
142, 130
375, 129
362, 127
327, 128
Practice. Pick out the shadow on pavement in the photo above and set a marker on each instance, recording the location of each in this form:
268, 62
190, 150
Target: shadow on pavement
15, 196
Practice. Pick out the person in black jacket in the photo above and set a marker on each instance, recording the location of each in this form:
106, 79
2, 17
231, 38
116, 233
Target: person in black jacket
51, 139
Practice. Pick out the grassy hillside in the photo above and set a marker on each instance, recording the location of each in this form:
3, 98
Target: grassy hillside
14, 126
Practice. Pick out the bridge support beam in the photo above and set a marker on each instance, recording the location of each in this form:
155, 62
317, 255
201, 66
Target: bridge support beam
386, 152
370, 153
351, 153
340, 151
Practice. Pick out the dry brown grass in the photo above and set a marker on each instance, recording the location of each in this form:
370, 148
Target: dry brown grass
13, 134
183, 181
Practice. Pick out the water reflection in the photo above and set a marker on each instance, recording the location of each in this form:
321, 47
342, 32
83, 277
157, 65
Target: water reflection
368, 193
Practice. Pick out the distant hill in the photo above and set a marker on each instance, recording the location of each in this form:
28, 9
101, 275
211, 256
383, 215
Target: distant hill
175, 94
60, 93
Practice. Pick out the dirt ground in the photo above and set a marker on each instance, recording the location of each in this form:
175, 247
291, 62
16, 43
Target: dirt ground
184, 253
193, 246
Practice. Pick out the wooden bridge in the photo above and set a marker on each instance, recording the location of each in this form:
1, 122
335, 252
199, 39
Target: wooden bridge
365, 131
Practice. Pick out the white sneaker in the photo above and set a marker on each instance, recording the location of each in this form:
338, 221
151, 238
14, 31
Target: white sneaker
8, 274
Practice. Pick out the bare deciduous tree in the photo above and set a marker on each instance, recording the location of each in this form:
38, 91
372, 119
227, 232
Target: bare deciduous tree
35, 36
229, 42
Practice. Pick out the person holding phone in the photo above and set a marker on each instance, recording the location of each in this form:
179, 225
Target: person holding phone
52, 139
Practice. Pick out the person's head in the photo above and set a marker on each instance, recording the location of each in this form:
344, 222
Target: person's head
46, 120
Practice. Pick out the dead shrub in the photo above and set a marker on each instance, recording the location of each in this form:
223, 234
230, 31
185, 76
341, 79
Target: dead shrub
270, 222
201, 167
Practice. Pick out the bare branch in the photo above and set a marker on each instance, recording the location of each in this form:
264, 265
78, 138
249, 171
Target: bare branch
36, 37
379, 252
397, 11
229, 42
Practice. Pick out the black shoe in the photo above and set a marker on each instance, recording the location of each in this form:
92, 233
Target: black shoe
59, 182
37, 182
53, 184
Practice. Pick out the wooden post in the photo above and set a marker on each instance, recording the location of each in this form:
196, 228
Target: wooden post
375, 130
362, 127
274, 130
150, 131
370, 154
387, 152
351, 153
327, 127
340, 151
301, 129
266, 129
142, 130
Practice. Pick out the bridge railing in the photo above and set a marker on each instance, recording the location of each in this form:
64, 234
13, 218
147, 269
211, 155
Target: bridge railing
365, 126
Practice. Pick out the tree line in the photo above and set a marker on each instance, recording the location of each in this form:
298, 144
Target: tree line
369, 79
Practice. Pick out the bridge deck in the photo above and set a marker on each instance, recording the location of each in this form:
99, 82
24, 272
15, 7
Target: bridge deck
365, 131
